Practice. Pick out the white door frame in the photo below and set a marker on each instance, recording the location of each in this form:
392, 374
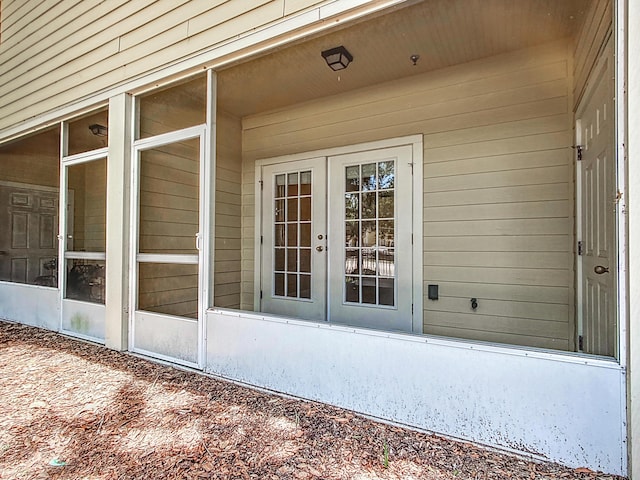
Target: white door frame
96, 312
199, 132
608, 49
415, 141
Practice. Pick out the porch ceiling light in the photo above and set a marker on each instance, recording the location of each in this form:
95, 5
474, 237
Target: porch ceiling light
337, 58
99, 130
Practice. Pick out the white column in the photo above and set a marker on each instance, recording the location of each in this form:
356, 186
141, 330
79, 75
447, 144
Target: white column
210, 185
633, 165
117, 264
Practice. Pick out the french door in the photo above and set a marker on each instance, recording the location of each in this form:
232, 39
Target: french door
336, 239
294, 226
167, 261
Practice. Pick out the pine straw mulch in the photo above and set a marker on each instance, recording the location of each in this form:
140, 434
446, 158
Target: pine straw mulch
74, 410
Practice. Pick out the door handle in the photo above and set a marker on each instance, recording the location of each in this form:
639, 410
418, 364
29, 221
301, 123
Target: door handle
599, 269
319, 248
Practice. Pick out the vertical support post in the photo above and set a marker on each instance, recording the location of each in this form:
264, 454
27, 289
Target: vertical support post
62, 216
210, 181
631, 23
118, 225
208, 211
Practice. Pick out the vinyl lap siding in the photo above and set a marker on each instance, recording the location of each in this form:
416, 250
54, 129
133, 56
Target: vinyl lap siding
595, 29
89, 222
169, 181
498, 186
227, 258
55, 52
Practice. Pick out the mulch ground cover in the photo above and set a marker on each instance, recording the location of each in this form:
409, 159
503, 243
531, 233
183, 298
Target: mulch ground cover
74, 410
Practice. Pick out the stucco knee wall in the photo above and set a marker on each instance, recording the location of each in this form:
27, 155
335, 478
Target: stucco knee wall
560, 407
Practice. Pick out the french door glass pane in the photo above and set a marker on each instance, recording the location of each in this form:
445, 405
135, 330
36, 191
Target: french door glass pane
369, 223
292, 235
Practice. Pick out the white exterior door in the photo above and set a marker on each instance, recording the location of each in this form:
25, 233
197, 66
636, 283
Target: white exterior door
167, 257
338, 246
294, 239
28, 246
370, 266
597, 262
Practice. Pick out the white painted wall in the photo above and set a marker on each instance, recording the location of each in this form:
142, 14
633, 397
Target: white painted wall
561, 407
30, 304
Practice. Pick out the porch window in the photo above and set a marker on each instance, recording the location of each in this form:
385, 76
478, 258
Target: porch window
174, 108
86, 231
29, 190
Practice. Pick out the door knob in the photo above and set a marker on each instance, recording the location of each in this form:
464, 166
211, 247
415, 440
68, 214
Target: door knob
599, 269
319, 248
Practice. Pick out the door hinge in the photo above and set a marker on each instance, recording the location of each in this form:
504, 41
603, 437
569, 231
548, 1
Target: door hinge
579, 151
260, 294
261, 184
261, 239
580, 343
412, 309
580, 247
618, 196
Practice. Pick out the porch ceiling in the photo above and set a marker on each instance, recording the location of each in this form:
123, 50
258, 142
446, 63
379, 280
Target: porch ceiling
442, 32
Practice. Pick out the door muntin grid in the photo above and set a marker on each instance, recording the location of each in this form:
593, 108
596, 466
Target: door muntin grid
369, 224
292, 221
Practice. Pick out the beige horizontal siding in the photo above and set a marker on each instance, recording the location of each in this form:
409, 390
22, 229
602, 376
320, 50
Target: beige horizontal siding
500, 211
509, 293
55, 52
497, 189
16, 14
491, 336
499, 243
596, 27
89, 181
169, 288
168, 221
248, 231
293, 6
228, 221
